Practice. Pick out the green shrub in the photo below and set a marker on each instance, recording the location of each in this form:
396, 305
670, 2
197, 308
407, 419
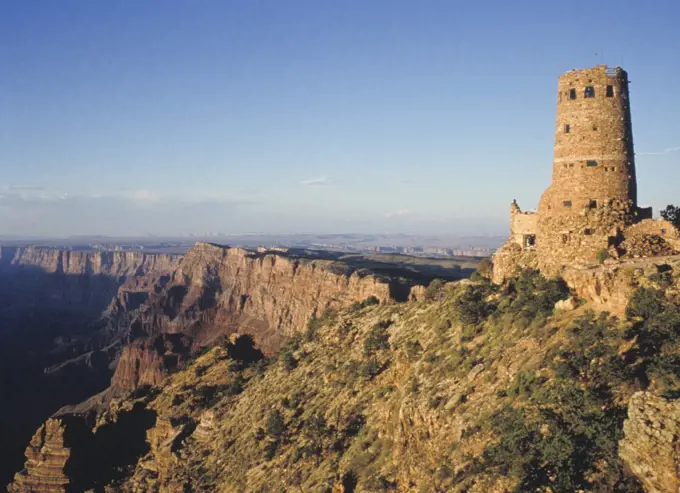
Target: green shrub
370, 368
413, 350
288, 360
358, 305
313, 326
235, 387
530, 298
377, 338
645, 304
471, 306
434, 289
602, 255
275, 426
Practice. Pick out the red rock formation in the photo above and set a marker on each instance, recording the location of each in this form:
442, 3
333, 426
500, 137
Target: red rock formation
219, 290
145, 361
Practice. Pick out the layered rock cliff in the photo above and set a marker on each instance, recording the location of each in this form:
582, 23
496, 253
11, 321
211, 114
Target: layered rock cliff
61, 319
217, 291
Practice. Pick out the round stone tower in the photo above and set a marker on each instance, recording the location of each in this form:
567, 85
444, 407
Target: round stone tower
593, 193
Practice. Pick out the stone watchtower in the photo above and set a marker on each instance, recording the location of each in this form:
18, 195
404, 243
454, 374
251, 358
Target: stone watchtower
593, 194
592, 197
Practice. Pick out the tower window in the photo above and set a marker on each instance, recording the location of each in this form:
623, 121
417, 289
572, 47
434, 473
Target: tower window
565, 238
587, 231
592, 204
663, 231
572, 93
567, 128
566, 203
590, 164
610, 91
594, 128
529, 241
589, 92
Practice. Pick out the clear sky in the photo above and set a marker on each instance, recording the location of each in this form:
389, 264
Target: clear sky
132, 117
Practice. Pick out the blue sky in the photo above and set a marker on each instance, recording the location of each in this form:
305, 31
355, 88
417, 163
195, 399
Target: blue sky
132, 117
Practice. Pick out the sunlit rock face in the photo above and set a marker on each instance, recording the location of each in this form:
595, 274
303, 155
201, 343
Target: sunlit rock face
651, 447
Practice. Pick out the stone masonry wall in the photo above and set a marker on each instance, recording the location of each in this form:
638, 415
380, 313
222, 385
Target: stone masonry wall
593, 156
521, 224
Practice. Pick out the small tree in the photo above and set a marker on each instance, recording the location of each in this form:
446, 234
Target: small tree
602, 255
672, 214
289, 361
434, 289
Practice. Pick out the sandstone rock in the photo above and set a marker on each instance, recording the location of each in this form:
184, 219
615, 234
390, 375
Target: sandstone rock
651, 447
206, 425
566, 305
219, 290
47, 457
145, 361
417, 293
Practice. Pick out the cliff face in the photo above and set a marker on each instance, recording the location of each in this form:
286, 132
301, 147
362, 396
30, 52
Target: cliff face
61, 317
80, 282
219, 291
651, 447
113, 264
55, 459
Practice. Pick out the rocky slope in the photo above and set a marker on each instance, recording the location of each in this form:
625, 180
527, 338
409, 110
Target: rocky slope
145, 315
475, 388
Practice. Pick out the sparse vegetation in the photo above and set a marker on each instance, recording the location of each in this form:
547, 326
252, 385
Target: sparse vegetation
351, 403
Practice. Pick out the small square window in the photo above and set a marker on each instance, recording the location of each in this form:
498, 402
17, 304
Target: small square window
592, 204
590, 164
567, 203
565, 238
572, 93
610, 91
663, 231
594, 128
567, 128
589, 92
588, 232
614, 168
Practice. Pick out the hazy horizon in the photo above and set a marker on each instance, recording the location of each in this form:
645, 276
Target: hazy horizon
128, 119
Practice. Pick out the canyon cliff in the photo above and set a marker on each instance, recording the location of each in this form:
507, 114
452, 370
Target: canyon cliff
59, 330
80, 324
217, 291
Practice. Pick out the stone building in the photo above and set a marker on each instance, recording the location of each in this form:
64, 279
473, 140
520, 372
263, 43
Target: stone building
591, 205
